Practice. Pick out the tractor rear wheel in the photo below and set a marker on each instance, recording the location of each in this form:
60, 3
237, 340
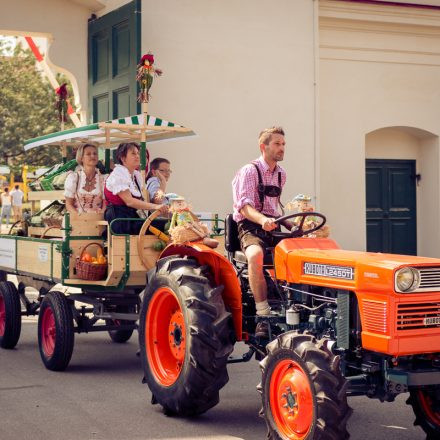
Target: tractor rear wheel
303, 390
55, 331
426, 406
185, 336
10, 315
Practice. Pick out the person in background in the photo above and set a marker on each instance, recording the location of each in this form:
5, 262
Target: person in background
84, 187
17, 202
6, 206
123, 191
157, 179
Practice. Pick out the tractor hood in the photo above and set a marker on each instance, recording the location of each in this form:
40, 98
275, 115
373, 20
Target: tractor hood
321, 262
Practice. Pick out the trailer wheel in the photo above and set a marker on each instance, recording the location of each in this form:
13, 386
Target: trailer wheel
55, 331
186, 336
120, 336
10, 315
426, 406
303, 390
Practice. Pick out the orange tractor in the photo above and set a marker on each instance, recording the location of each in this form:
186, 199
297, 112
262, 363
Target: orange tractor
347, 323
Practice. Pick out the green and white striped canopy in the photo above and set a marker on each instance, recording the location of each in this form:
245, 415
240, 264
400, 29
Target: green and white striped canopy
107, 134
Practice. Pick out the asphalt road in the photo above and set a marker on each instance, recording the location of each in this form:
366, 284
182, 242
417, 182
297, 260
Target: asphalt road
100, 396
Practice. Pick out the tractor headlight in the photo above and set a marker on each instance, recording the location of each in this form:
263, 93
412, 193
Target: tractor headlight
407, 279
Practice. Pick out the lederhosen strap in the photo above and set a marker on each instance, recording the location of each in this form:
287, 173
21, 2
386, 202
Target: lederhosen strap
261, 186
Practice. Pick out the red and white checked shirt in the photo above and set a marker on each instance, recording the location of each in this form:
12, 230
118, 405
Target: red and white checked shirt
244, 189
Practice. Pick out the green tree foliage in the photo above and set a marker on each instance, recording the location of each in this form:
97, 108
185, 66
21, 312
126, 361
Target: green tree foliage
27, 110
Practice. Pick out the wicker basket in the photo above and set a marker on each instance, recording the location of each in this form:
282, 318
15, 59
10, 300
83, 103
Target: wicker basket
90, 271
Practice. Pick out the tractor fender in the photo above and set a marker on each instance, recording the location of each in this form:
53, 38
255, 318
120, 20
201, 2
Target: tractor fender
223, 273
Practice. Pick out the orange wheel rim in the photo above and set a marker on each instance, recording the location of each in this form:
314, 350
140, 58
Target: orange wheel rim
48, 332
2, 316
165, 336
291, 400
427, 404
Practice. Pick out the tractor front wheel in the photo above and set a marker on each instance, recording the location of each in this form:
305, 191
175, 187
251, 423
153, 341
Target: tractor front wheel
10, 315
55, 331
186, 336
303, 390
426, 406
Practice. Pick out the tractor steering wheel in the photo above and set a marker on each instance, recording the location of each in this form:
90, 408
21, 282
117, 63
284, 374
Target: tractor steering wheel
297, 230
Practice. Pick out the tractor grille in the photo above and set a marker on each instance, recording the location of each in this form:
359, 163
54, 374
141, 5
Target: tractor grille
375, 316
418, 316
429, 279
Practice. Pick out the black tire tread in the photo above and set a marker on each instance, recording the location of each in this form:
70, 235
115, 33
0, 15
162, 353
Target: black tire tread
120, 336
11, 299
431, 429
210, 336
329, 385
64, 331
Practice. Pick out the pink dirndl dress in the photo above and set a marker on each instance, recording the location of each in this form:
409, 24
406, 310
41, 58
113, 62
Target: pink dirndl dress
85, 201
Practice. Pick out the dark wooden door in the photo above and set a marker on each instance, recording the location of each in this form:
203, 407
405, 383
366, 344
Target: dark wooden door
391, 206
114, 48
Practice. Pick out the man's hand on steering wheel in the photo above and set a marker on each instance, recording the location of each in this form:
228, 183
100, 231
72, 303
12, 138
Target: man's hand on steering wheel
269, 224
298, 229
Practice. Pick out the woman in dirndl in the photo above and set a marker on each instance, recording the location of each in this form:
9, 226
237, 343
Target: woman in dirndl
123, 191
84, 187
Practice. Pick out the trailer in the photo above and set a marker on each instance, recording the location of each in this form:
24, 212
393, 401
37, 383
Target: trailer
46, 257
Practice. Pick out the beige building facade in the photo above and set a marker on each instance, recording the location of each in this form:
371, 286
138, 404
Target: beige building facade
379, 72
349, 81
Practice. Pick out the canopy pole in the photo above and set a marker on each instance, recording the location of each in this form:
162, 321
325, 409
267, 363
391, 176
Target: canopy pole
63, 143
107, 160
143, 151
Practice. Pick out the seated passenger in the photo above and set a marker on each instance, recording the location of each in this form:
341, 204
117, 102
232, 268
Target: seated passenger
84, 187
157, 179
123, 191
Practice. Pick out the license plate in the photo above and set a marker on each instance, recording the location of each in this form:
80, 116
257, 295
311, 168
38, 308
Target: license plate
432, 321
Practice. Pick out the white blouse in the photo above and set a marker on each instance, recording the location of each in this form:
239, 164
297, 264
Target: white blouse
120, 180
74, 188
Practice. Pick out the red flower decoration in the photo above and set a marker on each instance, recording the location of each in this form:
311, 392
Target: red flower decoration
145, 74
149, 57
62, 91
61, 104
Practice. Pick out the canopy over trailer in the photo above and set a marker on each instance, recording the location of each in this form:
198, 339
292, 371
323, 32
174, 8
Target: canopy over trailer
140, 128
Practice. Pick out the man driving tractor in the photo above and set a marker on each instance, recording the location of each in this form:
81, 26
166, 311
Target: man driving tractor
256, 191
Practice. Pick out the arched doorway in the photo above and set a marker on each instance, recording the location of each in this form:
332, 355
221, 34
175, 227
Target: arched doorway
402, 191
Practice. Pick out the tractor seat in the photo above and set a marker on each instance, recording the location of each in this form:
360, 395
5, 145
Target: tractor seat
232, 244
